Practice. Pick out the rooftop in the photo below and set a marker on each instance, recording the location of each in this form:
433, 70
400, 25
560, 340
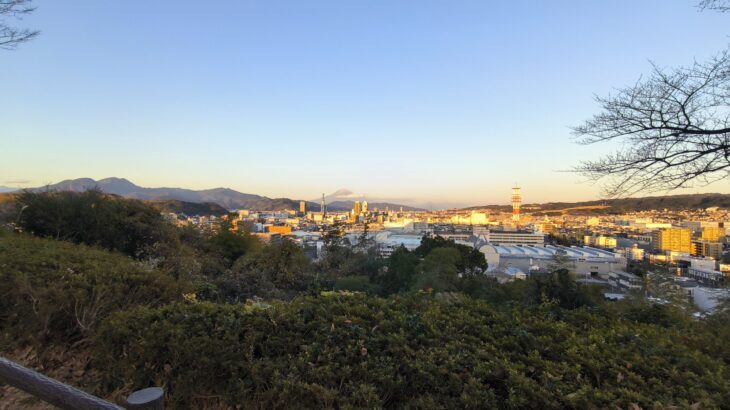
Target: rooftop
548, 251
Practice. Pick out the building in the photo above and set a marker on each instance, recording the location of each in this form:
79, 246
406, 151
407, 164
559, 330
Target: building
711, 276
584, 261
387, 242
356, 209
280, 229
514, 238
599, 241
707, 299
302, 207
673, 239
634, 253
712, 234
474, 218
708, 249
364, 207
625, 281
516, 202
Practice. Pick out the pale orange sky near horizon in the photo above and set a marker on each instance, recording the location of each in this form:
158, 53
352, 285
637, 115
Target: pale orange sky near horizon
448, 103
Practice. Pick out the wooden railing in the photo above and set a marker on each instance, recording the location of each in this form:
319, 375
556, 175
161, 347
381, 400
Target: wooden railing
70, 398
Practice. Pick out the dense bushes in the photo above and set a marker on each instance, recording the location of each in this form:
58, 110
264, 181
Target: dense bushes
351, 350
58, 291
447, 337
93, 218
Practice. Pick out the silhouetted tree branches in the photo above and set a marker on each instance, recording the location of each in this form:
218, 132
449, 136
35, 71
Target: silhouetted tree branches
717, 5
10, 36
673, 127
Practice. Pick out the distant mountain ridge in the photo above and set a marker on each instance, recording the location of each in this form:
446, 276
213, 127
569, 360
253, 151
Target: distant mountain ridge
622, 205
344, 199
225, 197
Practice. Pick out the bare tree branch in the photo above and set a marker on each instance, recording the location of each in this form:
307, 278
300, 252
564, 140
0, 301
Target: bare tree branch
11, 37
673, 127
722, 6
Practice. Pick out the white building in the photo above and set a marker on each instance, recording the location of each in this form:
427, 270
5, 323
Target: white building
705, 275
584, 261
513, 238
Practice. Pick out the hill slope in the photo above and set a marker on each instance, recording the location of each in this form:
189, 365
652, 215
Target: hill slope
225, 197
622, 205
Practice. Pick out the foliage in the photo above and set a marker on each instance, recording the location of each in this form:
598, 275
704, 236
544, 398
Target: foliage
439, 270
445, 338
399, 272
350, 350
560, 288
270, 271
233, 245
470, 259
93, 218
52, 290
357, 283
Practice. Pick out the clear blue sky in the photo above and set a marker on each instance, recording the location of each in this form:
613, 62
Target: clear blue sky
443, 101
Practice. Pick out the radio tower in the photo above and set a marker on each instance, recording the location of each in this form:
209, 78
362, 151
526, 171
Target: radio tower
516, 201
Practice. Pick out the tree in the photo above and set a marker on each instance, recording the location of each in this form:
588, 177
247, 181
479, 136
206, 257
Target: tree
673, 125
94, 218
232, 245
268, 271
438, 270
11, 37
471, 261
399, 272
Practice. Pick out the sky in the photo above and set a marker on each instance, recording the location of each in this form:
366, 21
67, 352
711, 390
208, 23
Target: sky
423, 102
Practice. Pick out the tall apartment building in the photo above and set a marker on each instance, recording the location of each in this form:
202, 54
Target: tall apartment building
673, 239
707, 248
713, 234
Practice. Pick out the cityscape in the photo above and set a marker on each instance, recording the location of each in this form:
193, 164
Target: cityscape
688, 247
364, 205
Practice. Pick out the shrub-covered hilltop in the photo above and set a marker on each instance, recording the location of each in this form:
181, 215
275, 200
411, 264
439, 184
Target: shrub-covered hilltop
100, 292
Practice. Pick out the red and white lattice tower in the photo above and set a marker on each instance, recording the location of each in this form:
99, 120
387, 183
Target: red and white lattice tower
516, 201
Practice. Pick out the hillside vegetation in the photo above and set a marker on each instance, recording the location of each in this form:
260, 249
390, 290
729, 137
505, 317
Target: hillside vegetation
624, 205
221, 320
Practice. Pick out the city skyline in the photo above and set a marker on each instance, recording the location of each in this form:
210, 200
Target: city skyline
288, 100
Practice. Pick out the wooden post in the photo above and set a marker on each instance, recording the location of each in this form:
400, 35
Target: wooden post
151, 398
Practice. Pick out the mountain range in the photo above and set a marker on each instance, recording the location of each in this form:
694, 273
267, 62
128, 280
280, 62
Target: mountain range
225, 197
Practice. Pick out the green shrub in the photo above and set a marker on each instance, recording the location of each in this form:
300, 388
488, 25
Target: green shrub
53, 290
93, 218
343, 350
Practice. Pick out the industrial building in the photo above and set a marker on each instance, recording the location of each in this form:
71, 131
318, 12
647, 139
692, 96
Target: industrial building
584, 261
493, 237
